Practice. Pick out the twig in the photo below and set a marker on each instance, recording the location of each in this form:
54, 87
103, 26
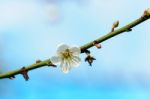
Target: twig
38, 64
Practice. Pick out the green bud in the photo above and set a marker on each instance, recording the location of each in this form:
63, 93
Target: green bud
116, 24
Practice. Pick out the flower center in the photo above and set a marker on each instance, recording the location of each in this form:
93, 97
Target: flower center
67, 53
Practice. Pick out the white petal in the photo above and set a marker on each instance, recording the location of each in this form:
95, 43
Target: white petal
76, 61
61, 48
65, 66
55, 60
75, 50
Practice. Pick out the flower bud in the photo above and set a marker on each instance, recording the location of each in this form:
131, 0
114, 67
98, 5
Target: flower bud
38, 61
24, 73
147, 12
116, 24
95, 43
89, 59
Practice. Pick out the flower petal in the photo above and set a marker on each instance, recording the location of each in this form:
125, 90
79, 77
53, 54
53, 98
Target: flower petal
75, 51
61, 48
65, 66
55, 60
76, 61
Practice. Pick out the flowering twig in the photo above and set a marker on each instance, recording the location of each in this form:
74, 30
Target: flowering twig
38, 64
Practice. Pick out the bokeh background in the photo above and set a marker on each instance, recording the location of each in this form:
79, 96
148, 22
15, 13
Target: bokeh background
31, 30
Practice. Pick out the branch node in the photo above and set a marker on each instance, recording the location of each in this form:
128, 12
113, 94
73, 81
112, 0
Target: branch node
38, 61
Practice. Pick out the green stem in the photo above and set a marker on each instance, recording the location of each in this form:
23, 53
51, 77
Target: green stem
28, 68
83, 48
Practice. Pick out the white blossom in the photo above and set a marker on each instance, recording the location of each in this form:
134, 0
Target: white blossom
67, 57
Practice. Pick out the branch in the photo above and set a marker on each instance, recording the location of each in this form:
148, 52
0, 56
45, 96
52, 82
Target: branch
38, 64
109, 35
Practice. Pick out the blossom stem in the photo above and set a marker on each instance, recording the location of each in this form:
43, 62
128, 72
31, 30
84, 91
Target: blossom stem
83, 48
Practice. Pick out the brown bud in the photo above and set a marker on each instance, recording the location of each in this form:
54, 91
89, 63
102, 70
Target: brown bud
38, 61
95, 43
147, 12
89, 59
24, 73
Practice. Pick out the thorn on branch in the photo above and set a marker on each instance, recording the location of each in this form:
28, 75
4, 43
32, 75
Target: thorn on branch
115, 25
24, 73
95, 43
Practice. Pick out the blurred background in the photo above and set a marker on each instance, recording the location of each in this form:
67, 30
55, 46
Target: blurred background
31, 30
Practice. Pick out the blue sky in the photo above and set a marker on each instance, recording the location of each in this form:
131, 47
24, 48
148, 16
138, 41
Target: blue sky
31, 30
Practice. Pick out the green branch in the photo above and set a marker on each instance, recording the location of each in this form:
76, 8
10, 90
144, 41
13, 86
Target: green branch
28, 68
38, 64
109, 35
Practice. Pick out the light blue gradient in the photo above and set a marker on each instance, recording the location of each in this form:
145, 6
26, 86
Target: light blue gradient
27, 33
